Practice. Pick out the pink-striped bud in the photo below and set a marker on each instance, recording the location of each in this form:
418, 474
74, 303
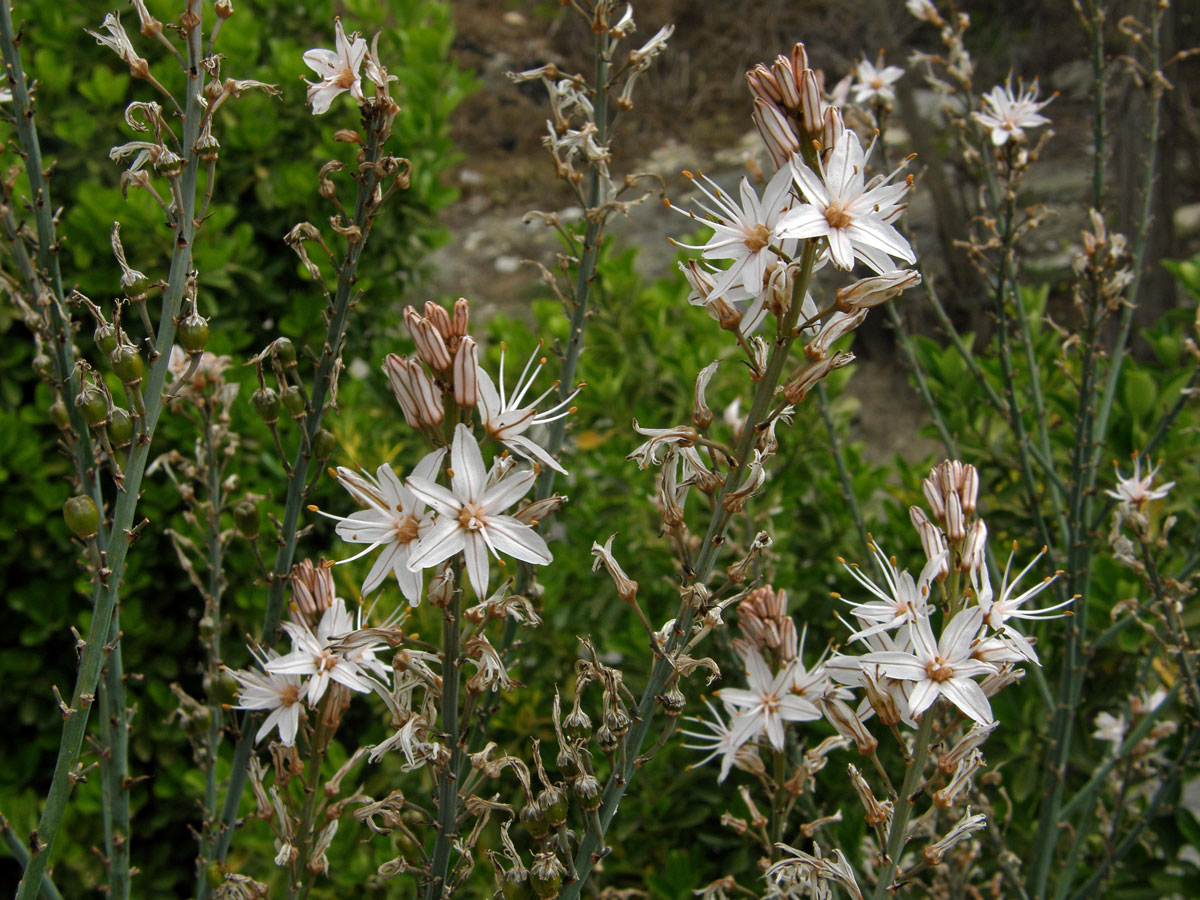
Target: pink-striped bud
776, 132
847, 723
431, 346
836, 326
438, 318
462, 317
415, 392
875, 291
797, 389
466, 373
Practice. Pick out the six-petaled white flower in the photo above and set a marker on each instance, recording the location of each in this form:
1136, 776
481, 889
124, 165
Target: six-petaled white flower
744, 234
942, 668
470, 519
279, 692
320, 654
1136, 490
851, 213
874, 83
507, 416
1007, 115
338, 69
394, 519
767, 703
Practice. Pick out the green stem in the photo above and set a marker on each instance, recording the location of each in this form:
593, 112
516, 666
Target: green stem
902, 810
301, 877
92, 656
448, 778
663, 668
835, 445
21, 854
364, 213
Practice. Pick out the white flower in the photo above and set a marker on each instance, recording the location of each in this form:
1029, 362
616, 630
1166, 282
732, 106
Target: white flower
321, 656
276, 691
768, 702
338, 70
1110, 728
722, 739
997, 612
507, 420
1007, 115
470, 519
1135, 489
743, 234
924, 10
903, 601
394, 519
943, 668
852, 214
874, 83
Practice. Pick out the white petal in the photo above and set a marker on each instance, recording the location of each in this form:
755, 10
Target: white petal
518, 540
443, 540
476, 553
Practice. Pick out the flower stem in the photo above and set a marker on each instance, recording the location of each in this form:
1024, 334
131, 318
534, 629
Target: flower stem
902, 810
93, 653
448, 801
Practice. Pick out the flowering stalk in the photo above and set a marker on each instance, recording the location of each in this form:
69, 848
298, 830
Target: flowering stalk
448, 801
618, 781
902, 809
373, 168
92, 657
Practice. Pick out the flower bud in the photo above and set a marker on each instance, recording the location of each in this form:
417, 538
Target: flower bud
193, 333
266, 403
246, 518
466, 372
82, 516
120, 428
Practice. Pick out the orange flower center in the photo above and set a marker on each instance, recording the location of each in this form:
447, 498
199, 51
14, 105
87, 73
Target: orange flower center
835, 215
758, 238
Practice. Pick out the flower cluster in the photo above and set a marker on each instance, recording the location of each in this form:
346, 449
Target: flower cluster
329, 647
418, 523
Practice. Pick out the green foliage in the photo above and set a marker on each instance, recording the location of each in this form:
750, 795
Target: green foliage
252, 288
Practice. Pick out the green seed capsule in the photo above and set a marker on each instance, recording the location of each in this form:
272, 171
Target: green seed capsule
515, 885
220, 688
127, 364
92, 404
324, 443
247, 519
285, 352
408, 848
545, 875
588, 792
577, 726
193, 333
533, 817
82, 516
120, 428
266, 403
554, 802
59, 415
105, 337
196, 723
293, 401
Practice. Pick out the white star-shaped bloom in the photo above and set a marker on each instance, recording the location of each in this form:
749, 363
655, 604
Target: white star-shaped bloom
942, 668
470, 517
874, 83
997, 611
743, 234
768, 702
321, 655
1135, 490
394, 519
506, 416
338, 70
722, 739
852, 214
1008, 115
279, 692
903, 600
